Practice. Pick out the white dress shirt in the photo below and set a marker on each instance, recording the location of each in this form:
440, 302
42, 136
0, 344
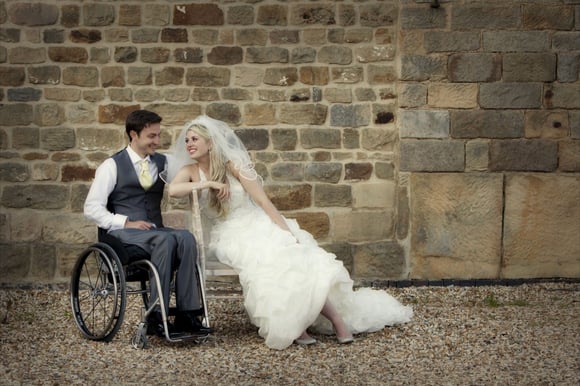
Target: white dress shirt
95, 208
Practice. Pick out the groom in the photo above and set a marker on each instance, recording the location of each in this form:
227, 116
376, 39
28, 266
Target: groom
125, 200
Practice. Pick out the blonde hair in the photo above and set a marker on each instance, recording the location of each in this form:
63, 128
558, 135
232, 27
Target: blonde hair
218, 166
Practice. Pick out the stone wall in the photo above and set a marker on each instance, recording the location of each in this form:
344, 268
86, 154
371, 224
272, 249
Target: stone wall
412, 141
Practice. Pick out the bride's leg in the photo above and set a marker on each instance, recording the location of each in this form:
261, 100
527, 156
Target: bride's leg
339, 326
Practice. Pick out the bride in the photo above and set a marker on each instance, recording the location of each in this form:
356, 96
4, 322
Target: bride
290, 284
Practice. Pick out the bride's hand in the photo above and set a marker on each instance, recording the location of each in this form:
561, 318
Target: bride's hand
223, 190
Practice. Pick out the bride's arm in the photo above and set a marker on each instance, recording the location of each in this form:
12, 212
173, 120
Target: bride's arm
187, 180
256, 192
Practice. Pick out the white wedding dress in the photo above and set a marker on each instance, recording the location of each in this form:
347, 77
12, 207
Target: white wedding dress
285, 283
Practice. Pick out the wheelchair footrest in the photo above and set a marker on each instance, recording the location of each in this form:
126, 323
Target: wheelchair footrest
186, 336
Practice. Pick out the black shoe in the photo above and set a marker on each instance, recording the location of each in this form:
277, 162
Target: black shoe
188, 322
155, 325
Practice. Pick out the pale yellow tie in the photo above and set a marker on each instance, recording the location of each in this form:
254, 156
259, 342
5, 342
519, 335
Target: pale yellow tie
145, 177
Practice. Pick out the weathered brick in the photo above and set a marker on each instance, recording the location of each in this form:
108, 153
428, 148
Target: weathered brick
70, 15
412, 94
487, 124
286, 171
81, 76
516, 41
284, 37
85, 35
510, 95
43, 262
381, 74
575, 124
116, 114
349, 115
125, 54
113, 77
421, 68
14, 172
323, 172
225, 55
529, 67
562, 95
227, 112
15, 262
145, 35
259, 114
188, 55
378, 15
453, 95
55, 139
174, 35
290, 197
358, 171
140, 76
33, 14
12, 76
347, 74
207, 76
116, 35
328, 195
424, 123
338, 95
568, 67
252, 37
130, 14
474, 67
120, 94
42, 75
156, 14
303, 14
423, 18
314, 75
363, 225
546, 124
25, 137
471, 17
281, 76
68, 54
316, 223
523, 155
98, 15
197, 14
169, 76
267, 55
26, 55
566, 41
174, 114
451, 41
25, 94
335, 55
204, 94
100, 55
240, 14
548, 17
432, 155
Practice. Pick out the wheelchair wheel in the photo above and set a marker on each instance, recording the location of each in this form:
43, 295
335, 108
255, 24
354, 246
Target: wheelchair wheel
98, 292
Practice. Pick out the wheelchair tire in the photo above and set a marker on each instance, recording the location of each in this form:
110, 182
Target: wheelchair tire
98, 292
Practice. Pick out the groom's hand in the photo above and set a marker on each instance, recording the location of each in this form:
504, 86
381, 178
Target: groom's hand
143, 225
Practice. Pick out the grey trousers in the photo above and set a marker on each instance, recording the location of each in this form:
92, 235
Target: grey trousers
170, 250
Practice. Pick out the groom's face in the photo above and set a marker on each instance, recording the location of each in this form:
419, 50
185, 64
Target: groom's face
146, 142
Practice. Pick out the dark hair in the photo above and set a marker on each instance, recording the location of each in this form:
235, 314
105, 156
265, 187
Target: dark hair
138, 120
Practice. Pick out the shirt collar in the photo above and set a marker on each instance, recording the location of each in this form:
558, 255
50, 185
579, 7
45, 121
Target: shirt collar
135, 158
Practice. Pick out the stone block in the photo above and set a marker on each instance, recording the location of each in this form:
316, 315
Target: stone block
129, 14
523, 155
421, 68
55, 139
228, 112
306, 14
423, 18
562, 95
474, 67
252, 37
116, 114
323, 172
174, 114
283, 139
156, 14
378, 15
516, 41
44, 172
385, 259
113, 76
53, 36
43, 263
456, 222
14, 172
568, 67
15, 262
412, 94
541, 233
382, 139
225, 56
510, 95
485, 17
378, 195
548, 17
155, 55
349, 115
314, 75
343, 252
33, 14
93, 139
286, 171
118, 35
566, 41
290, 197
204, 94
145, 35
26, 226
81, 113
569, 156
358, 171
316, 223
62, 94
240, 15
236, 94
329, 195
37, 196
546, 124
25, 137
26, 55
272, 14
432, 155
529, 67
198, 14
364, 225
320, 138
43, 75
169, 76
454, 96
347, 75
424, 123
302, 114
66, 257
25, 94
476, 155
68, 229
451, 41
48, 114
403, 213
98, 15
487, 124
70, 15
574, 124
381, 74
12, 76
188, 55
81, 76
207, 77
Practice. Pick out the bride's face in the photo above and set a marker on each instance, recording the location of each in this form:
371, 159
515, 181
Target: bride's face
197, 146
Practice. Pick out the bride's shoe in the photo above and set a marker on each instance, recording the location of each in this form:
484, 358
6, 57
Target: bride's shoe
305, 341
344, 339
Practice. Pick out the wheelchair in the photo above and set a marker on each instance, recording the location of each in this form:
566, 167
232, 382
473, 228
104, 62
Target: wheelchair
99, 289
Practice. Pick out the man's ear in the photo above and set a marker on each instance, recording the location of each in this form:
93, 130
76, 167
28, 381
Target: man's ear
132, 135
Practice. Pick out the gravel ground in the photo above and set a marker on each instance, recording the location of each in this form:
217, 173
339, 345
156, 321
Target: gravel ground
491, 335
